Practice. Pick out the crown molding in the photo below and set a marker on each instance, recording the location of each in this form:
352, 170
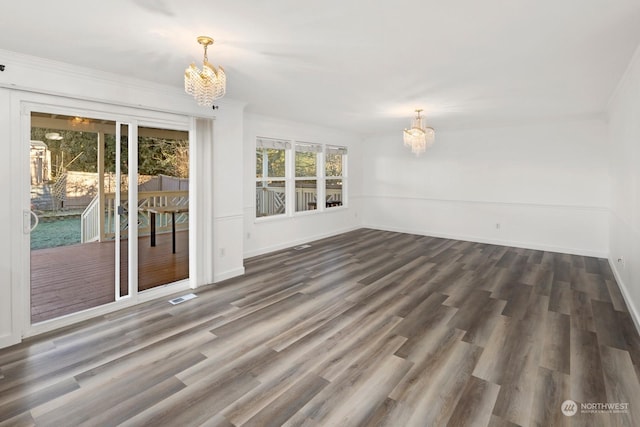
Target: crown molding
19, 66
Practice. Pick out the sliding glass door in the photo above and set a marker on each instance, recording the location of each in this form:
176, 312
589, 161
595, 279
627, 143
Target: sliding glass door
108, 210
73, 170
163, 205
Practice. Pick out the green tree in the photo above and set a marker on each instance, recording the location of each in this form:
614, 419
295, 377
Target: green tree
163, 156
276, 159
306, 164
333, 164
78, 151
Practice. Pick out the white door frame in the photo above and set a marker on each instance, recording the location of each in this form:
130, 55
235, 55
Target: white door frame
26, 103
132, 192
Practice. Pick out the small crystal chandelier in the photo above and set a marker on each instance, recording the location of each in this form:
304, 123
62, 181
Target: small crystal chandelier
207, 85
418, 137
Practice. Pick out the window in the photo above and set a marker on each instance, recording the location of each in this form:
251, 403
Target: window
297, 177
271, 195
335, 175
306, 176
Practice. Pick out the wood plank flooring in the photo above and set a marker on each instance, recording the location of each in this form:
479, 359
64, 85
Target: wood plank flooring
368, 328
73, 278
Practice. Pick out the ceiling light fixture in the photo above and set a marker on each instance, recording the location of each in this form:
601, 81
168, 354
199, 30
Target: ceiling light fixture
419, 137
207, 85
79, 121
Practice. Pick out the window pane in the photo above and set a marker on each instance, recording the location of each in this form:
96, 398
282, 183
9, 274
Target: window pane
270, 198
333, 164
334, 193
163, 180
306, 195
306, 164
259, 160
276, 163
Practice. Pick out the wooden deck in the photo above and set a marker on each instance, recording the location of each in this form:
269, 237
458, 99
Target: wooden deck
72, 278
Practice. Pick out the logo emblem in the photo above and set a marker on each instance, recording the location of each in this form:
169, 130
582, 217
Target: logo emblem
569, 408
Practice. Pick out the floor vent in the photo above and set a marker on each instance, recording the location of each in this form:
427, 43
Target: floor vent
183, 298
301, 247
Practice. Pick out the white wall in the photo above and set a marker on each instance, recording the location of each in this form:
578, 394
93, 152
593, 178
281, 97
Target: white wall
546, 185
268, 234
219, 187
624, 139
227, 194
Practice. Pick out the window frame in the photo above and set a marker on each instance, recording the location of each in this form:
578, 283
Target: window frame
274, 144
343, 151
290, 179
318, 149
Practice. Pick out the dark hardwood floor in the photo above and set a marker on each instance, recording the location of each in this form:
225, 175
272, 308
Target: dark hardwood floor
368, 328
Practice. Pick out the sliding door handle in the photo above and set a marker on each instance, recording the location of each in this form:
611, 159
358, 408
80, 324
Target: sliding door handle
26, 221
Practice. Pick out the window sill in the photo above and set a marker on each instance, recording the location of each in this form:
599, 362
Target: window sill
336, 208
301, 214
270, 218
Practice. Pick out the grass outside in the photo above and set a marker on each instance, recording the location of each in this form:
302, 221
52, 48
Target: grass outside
56, 231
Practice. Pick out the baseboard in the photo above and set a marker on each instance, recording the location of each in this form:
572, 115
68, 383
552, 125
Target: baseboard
285, 245
633, 311
228, 274
515, 244
9, 340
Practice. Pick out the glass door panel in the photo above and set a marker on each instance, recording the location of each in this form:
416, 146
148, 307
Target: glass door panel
163, 205
72, 255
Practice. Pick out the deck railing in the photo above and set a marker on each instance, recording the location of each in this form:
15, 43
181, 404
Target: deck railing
271, 200
91, 215
90, 222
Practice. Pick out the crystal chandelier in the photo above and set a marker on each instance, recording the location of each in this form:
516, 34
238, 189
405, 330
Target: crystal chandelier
207, 85
418, 137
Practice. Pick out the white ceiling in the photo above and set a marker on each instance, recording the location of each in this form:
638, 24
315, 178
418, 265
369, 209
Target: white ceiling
354, 64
